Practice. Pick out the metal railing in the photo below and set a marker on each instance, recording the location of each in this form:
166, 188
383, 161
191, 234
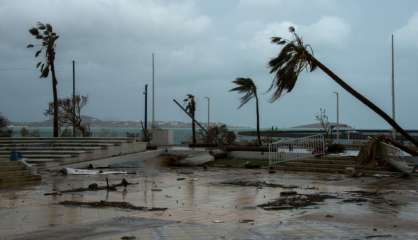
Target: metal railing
290, 150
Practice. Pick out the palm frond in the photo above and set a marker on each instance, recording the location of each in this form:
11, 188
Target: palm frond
247, 87
292, 59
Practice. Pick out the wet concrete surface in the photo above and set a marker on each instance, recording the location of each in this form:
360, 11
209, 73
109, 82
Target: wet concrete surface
200, 206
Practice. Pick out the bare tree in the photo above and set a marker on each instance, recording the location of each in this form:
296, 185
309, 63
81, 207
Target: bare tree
47, 38
4, 131
322, 118
66, 110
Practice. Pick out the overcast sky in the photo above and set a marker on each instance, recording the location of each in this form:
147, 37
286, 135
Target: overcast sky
201, 46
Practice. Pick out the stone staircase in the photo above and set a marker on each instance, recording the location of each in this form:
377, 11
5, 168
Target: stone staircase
15, 173
44, 153
329, 164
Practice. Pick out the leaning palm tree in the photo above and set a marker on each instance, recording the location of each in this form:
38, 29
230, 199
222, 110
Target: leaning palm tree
191, 109
295, 57
247, 87
47, 38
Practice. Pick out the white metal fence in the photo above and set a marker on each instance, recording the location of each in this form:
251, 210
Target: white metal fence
289, 150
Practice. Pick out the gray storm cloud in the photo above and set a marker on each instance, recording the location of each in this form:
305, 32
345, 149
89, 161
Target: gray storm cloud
200, 47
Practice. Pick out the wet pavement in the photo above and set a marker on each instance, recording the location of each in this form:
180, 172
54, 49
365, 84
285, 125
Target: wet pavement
201, 206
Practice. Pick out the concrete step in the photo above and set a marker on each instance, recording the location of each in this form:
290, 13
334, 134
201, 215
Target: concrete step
307, 169
51, 152
60, 144
326, 161
14, 173
13, 141
11, 167
19, 181
49, 147
53, 156
317, 165
68, 138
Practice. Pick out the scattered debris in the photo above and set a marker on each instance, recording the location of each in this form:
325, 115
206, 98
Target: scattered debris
295, 201
128, 238
217, 221
354, 200
181, 178
76, 171
329, 216
250, 165
93, 187
246, 221
379, 236
258, 184
288, 193
106, 204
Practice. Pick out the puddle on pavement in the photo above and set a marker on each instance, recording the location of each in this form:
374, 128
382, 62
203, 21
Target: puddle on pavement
196, 196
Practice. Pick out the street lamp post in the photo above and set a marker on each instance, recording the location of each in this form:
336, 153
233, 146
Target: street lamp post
338, 116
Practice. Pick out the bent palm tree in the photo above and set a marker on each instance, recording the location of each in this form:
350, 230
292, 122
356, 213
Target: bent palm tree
247, 87
191, 109
295, 57
47, 37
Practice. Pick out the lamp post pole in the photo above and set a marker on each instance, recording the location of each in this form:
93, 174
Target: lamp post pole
338, 116
393, 87
74, 133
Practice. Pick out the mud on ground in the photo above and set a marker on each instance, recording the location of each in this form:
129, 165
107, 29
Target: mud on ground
201, 206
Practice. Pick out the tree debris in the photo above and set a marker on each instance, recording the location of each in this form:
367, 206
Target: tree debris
295, 201
258, 184
93, 187
106, 204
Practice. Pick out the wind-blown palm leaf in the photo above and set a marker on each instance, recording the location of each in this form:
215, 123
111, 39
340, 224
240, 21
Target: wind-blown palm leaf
245, 86
289, 63
295, 57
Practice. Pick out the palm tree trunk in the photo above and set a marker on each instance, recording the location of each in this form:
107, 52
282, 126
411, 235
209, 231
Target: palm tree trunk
364, 100
55, 96
258, 120
193, 129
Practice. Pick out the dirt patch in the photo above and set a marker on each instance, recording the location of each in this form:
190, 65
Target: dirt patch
295, 201
258, 184
106, 204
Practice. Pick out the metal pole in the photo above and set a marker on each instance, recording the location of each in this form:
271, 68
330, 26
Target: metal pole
74, 98
207, 98
153, 93
338, 116
146, 109
393, 87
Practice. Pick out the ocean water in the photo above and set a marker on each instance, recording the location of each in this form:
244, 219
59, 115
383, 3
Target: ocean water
180, 135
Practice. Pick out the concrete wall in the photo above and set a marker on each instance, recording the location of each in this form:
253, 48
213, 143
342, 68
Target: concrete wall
112, 151
162, 137
248, 155
116, 161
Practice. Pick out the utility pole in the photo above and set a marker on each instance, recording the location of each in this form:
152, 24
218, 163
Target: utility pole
338, 116
74, 99
153, 93
207, 98
393, 88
